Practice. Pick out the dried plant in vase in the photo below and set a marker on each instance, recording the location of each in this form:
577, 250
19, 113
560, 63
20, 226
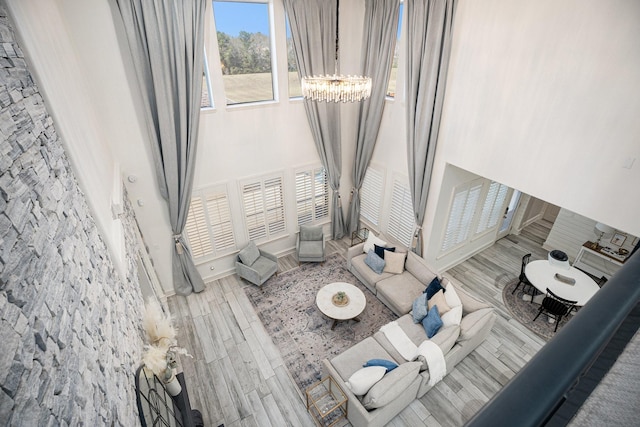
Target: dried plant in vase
160, 355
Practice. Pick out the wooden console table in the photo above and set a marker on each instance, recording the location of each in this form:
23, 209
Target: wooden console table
597, 262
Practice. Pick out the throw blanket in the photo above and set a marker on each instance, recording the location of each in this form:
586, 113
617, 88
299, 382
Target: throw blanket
407, 349
399, 339
435, 361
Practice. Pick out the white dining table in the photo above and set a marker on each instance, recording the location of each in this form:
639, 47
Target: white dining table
542, 275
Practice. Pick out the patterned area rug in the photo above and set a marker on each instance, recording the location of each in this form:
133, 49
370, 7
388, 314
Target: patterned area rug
525, 311
287, 308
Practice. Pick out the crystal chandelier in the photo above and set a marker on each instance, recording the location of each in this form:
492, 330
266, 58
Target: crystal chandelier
336, 87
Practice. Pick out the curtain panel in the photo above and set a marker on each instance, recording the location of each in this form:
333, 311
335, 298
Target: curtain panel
379, 40
166, 40
313, 29
429, 32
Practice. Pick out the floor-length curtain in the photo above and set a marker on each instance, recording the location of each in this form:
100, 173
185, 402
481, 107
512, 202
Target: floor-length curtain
313, 29
166, 39
429, 32
379, 40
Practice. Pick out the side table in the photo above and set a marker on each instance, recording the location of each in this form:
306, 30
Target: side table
326, 402
359, 236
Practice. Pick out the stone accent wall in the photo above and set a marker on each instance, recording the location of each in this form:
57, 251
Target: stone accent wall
70, 328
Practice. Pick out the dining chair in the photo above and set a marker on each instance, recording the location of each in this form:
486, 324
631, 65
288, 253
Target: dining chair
556, 307
522, 279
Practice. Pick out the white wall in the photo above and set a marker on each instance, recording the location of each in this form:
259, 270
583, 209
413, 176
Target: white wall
544, 97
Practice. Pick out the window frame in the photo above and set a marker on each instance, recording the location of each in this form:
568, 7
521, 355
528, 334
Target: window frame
264, 182
315, 219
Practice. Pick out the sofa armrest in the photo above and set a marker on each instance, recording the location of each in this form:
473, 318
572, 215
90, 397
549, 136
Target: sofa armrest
470, 304
268, 255
354, 251
358, 415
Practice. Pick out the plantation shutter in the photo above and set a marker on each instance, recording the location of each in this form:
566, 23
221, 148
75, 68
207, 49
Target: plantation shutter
321, 194
401, 220
461, 214
274, 205
492, 208
304, 197
254, 215
196, 229
371, 196
220, 220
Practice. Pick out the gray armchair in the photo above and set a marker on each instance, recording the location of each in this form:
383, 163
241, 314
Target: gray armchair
310, 244
256, 265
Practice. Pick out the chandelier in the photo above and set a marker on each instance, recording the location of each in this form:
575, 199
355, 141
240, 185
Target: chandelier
336, 87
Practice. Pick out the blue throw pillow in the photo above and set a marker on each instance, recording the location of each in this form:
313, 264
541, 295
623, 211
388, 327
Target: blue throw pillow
381, 362
432, 323
433, 288
374, 262
380, 250
420, 308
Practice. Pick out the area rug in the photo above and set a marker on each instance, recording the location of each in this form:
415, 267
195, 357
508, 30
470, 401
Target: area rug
525, 311
286, 306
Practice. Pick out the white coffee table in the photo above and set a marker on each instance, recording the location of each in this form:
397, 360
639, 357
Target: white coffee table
356, 305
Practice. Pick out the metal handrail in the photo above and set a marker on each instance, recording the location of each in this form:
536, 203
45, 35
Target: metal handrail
539, 388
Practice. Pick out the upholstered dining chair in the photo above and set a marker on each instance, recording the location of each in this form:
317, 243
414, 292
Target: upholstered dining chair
256, 265
555, 307
527, 287
310, 244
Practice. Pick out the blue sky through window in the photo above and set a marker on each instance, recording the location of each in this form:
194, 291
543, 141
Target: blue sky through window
233, 17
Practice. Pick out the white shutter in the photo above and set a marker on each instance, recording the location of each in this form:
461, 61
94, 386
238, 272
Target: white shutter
304, 197
320, 194
274, 205
371, 196
312, 195
461, 214
220, 222
401, 218
492, 208
254, 210
196, 229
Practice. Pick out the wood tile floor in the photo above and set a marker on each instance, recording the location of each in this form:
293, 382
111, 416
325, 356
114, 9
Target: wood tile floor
237, 377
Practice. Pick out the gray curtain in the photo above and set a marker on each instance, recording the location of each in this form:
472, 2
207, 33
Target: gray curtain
313, 30
380, 33
166, 39
429, 31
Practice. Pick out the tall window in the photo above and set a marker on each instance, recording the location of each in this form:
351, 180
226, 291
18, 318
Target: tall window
209, 227
263, 201
312, 195
391, 88
206, 101
493, 207
401, 219
371, 196
295, 90
245, 50
461, 212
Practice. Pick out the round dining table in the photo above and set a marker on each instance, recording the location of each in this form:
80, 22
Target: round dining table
568, 283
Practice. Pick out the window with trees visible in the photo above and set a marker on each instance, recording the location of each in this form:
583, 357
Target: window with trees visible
295, 90
263, 202
206, 101
312, 195
209, 228
391, 88
244, 43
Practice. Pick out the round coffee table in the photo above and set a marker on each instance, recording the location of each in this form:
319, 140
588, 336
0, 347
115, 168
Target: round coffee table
351, 310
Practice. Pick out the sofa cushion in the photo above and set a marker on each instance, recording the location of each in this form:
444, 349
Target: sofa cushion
366, 272
250, 254
438, 300
264, 266
391, 385
352, 359
469, 303
311, 232
310, 249
364, 378
446, 337
416, 266
400, 290
388, 364
374, 262
380, 250
394, 262
372, 239
474, 322
432, 322
419, 309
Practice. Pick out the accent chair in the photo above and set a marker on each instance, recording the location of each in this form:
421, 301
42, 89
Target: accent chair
555, 307
310, 244
256, 265
527, 287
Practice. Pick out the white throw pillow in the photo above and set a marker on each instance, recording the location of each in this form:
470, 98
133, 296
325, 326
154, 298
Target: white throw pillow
373, 240
394, 262
453, 316
452, 298
363, 379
